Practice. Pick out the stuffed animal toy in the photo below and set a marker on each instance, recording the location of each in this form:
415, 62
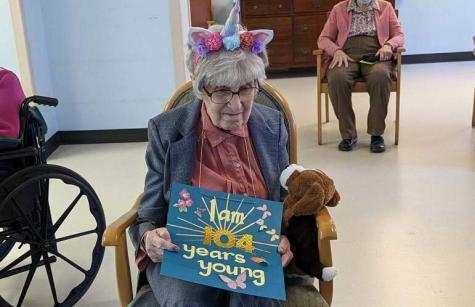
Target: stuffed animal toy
308, 192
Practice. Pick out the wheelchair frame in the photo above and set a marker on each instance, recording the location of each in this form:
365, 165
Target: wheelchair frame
25, 213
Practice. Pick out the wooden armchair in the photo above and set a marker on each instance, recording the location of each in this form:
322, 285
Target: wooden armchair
360, 86
115, 234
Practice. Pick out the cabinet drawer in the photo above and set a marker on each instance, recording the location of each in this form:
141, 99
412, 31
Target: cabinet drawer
256, 7
303, 52
280, 6
280, 53
282, 26
309, 27
314, 5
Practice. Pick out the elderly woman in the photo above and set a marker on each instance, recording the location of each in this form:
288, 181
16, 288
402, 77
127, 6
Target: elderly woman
354, 29
221, 141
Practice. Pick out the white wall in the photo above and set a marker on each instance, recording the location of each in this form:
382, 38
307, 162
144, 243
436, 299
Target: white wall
111, 61
40, 67
437, 26
8, 56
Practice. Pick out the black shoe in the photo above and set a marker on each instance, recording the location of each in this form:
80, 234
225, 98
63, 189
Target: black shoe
377, 144
347, 144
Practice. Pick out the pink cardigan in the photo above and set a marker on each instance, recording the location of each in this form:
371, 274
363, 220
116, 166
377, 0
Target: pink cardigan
11, 97
337, 28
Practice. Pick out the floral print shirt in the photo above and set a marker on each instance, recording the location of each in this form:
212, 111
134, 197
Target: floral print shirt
362, 22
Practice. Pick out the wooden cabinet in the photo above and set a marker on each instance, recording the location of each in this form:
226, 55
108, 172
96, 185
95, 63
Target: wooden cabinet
296, 24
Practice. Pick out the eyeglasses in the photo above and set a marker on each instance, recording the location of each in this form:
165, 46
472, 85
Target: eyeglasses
224, 96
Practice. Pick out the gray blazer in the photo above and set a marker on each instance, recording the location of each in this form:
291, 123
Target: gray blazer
171, 154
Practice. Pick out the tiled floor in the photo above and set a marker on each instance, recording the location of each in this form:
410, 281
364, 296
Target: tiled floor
406, 220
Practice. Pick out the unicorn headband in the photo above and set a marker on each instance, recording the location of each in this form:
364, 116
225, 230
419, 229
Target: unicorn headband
204, 41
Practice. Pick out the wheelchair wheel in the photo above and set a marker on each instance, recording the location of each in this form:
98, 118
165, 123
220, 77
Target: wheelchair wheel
60, 227
5, 247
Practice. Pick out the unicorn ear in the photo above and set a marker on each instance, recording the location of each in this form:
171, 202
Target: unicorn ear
196, 34
265, 36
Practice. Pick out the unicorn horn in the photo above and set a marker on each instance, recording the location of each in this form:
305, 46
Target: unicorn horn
230, 32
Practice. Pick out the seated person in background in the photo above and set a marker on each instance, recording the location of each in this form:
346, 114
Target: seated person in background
356, 28
11, 97
222, 141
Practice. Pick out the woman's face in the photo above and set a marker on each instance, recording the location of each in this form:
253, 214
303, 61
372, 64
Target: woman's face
230, 112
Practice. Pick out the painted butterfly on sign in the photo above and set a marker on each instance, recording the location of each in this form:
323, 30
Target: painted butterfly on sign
261, 224
240, 281
273, 234
265, 211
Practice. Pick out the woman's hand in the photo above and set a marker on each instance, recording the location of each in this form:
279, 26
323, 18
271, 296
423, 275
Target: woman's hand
385, 53
284, 250
339, 58
156, 241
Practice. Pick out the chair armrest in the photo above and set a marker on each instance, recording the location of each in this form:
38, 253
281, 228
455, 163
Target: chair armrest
400, 50
326, 227
114, 231
317, 52
115, 235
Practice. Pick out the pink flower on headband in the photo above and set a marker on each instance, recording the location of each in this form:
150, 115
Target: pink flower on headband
214, 42
247, 40
258, 47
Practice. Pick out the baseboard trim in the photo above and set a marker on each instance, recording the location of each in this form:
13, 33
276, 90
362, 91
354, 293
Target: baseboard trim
53, 143
95, 137
437, 57
103, 136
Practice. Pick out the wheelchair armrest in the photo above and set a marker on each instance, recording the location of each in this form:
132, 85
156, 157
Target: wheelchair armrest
19, 153
114, 231
326, 227
42, 100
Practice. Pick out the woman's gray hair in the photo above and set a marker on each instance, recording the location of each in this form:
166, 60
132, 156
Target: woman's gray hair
225, 68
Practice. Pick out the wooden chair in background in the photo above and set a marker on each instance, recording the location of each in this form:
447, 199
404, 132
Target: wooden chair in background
360, 86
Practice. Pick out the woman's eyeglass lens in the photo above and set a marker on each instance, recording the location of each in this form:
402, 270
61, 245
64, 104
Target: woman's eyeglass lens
225, 96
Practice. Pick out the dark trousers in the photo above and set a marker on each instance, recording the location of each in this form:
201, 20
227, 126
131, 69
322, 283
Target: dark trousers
378, 77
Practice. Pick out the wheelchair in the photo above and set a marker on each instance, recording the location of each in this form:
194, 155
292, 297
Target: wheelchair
40, 228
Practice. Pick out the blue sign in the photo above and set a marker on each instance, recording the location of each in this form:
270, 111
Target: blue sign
226, 241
